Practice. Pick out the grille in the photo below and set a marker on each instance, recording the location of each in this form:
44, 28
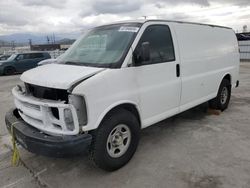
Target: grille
47, 93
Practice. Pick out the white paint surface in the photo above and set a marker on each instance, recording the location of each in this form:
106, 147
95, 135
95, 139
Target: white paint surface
58, 75
205, 54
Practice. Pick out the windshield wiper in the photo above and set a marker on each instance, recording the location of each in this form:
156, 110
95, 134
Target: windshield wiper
72, 63
76, 63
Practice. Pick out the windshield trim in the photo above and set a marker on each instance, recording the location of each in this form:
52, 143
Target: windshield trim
118, 63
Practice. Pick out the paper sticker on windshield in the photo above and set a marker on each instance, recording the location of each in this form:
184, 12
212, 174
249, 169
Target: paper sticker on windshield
129, 29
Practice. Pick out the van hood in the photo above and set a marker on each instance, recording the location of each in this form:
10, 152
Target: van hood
58, 76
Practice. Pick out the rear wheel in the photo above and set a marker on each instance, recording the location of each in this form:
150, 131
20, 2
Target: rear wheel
116, 140
221, 101
9, 71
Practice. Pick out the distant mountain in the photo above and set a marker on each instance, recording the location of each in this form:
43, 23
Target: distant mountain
4, 43
65, 41
23, 38
72, 35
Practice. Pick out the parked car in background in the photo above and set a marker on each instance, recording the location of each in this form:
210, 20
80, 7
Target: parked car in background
47, 61
243, 36
4, 57
21, 62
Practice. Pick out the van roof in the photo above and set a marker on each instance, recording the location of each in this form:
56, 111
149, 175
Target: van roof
174, 21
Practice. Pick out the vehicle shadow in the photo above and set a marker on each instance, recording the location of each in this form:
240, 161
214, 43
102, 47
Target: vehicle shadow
9, 75
150, 136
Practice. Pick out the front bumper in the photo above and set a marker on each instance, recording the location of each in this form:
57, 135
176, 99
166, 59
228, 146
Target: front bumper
38, 113
37, 142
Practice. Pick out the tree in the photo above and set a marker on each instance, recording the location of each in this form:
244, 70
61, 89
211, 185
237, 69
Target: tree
244, 29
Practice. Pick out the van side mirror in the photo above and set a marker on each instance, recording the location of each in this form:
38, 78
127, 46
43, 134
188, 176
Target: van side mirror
145, 51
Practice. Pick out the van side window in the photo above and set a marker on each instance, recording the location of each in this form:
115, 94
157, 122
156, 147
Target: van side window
161, 45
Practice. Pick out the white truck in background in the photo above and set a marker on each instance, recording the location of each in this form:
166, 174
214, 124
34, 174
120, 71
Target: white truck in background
117, 79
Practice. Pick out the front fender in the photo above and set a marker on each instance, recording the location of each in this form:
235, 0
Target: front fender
108, 109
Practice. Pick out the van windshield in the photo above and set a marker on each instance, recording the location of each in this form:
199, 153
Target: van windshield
104, 46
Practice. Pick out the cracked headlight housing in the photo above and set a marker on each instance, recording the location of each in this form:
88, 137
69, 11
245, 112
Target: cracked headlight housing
79, 103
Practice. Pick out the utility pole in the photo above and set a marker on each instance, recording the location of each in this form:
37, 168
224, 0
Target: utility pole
54, 38
51, 38
244, 29
13, 44
48, 39
30, 42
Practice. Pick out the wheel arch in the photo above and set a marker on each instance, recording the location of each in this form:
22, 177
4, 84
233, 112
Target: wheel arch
127, 105
228, 77
215, 103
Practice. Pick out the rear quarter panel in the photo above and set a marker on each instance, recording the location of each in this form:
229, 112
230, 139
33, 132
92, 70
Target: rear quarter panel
207, 54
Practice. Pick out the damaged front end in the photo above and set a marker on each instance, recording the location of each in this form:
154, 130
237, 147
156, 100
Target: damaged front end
48, 110
48, 121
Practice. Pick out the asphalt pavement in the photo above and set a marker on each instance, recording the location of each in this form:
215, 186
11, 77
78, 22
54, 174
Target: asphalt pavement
191, 150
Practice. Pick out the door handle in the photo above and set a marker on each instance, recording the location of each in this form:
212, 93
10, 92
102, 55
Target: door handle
177, 70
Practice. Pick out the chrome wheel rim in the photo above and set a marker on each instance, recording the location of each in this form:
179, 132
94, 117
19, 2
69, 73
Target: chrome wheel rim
224, 95
118, 140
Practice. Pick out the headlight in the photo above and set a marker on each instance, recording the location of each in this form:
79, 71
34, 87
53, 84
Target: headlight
79, 103
1, 64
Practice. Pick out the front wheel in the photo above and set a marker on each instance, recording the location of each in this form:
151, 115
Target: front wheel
9, 71
116, 140
221, 101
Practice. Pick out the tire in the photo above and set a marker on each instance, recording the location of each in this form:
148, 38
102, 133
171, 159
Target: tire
9, 71
221, 101
105, 150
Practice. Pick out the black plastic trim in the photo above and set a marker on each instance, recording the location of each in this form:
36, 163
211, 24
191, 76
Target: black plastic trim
177, 70
237, 83
37, 142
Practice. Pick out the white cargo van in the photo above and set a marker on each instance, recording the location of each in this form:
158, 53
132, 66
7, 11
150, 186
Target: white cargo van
117, 79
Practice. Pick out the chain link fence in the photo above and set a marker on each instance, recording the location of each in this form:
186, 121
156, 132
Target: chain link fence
244, 50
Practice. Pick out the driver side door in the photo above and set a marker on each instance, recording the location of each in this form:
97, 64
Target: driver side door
158, 79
